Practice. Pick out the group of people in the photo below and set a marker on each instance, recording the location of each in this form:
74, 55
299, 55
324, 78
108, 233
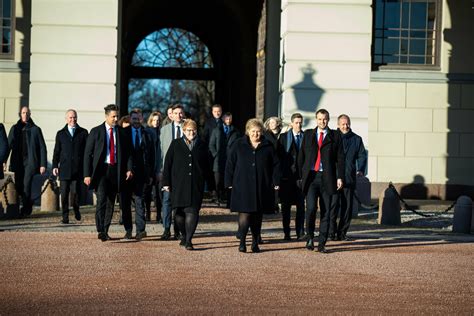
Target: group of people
170, 162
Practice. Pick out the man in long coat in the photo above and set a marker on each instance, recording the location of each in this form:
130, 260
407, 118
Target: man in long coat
107, 165
28, 156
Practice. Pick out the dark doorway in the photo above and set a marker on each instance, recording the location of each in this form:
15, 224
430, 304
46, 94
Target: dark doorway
228, 29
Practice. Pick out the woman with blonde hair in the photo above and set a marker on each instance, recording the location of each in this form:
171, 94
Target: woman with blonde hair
186, 168
253, 174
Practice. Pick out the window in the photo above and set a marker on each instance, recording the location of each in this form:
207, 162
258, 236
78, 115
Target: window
171, 66
406, 33
6, 28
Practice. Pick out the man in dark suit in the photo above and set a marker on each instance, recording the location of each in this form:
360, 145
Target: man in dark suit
356, 160
107, 165
212, 122
28, 156
143, 157
289, 192
3, 149
321, 166
68, 162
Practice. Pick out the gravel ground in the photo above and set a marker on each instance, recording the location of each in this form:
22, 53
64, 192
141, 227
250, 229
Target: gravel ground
48, 268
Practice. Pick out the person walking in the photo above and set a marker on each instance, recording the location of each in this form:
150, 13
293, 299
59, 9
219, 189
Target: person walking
253, 174
107, 165
68, 163
321, 170
185, 170
28, 156
355, 163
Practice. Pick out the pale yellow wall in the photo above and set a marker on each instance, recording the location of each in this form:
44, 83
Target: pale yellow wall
333, 38
14, 81
73, 62
421, 121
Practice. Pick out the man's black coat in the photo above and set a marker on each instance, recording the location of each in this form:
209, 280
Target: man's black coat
332, 159
68, 153
96, 152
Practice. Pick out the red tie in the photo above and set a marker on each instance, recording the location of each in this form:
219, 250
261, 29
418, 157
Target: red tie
318, 160
112, 147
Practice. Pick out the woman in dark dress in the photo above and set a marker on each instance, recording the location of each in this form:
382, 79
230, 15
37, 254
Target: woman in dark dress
253, 173
186, 169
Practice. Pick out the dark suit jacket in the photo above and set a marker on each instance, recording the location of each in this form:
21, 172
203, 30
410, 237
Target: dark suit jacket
288, 161
3, 148
209, 126
185, 171
332, 158
68, 153
252, 173
143, 157
155, 136
96, 152
35, 151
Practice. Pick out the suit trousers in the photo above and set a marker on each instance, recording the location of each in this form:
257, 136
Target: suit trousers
73, 187
299, 220
327, 205
106, 191
135, 189
23, 182
345, 200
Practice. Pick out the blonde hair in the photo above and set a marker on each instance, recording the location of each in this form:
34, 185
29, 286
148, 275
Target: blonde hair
150, 118
189, 123
278, 120
253, 122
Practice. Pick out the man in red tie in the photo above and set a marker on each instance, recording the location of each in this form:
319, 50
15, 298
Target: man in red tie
107, 164
321, 167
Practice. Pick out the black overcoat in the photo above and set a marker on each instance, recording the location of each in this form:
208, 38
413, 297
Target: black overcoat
155, 137
185, 171
218, 149
68, 153
356, 157
252, 174
36, 147
332, 158
3, 148
96, 152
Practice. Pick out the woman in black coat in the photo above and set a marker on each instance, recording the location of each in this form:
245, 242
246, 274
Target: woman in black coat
253, 173
154, 125
186, 169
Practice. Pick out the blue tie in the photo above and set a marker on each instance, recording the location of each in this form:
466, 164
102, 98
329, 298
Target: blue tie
226, 129
298, 141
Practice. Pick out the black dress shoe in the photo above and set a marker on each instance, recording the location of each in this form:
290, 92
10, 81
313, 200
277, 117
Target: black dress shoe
139, 236
332, 237
344, 238
189, 246
102, 236
77, 215
287, 237
255, 248
65, 221
182, 243
177, 236
128, 235
166, 235
310, 244
107, 237
242, 247
322, 249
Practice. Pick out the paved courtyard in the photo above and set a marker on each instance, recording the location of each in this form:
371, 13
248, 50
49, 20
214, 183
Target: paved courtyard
49, 268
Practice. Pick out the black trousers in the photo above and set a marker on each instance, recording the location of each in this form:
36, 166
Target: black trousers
219, 181
106, 191
327, 205
286, 215
23, 182
153, 192
133, 189
345, 200
72, 187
